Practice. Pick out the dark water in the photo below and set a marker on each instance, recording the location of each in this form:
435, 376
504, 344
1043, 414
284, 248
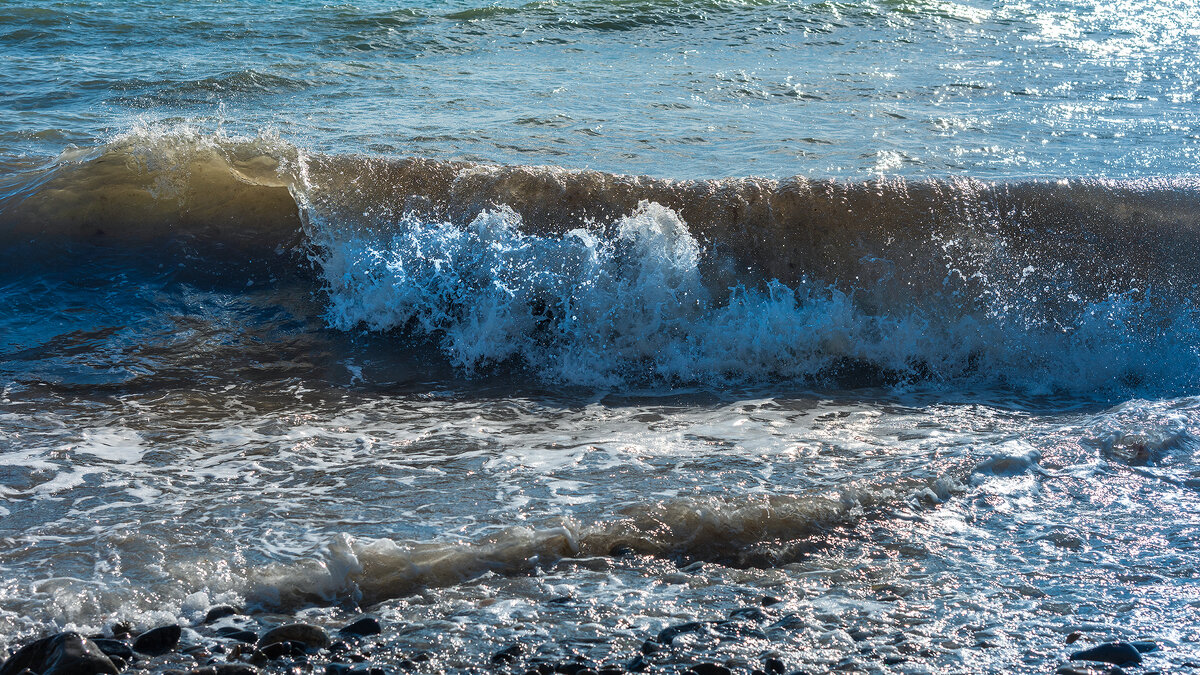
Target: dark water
449, 311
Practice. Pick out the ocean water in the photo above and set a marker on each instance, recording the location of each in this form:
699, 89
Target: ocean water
561, 323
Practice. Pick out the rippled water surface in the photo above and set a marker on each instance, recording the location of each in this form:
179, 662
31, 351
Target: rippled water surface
563, 323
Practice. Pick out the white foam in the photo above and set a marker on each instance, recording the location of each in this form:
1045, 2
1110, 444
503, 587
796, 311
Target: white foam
592, 308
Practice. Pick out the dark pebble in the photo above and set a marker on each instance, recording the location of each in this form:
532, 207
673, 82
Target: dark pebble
1145, 646
610, 670
1073, 637
219, 612
756, 671
570, 668
307, 634
278, 650
337, 669
637, 664
768, 600
666, 635
775, 666
508, 654
749, 614
620, 551
368, 625
650, 646
560, 600
112, 648
231, 633
157, 641
1118, 653
62, 654
709, 669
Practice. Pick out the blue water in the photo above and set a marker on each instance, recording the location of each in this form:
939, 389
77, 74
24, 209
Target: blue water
450, 311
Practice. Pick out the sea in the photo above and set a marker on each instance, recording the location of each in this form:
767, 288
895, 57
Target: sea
860, 335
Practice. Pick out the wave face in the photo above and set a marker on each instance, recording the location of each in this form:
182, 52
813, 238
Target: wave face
598, 279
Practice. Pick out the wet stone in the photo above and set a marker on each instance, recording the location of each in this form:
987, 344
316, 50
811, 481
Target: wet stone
1145, 646
709, 669
774, 666
650, 646
749, 614
62, 654
113, 647
666, 635
768, 600
1118, 653
238, 634
278, 650
508, 654
306, 634
219, 612
158, 641
368, 625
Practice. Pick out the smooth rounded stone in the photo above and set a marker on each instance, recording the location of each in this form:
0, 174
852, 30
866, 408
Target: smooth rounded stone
309, 635
112, 648
571, 668
220, 612
1145, 646
158, 641
1119, 653
1089, 669
637, 664
368, 625
1073, 637
709, 669
610, 670
650, 646
508, 654
666, 635
238, 634
749, 614
226, 669
62, 654
278, 650
775, 666
768, 600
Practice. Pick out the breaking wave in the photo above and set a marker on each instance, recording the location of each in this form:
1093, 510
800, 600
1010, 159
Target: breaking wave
600, 279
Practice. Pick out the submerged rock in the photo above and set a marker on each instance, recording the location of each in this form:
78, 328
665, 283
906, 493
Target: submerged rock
307, 634
220, 612
368, 625
1119, 653
111, 648
63, 654
508, 654
157, 641
666, 635
709, 669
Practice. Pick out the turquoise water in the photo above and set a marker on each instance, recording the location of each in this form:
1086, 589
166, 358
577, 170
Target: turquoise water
561, 323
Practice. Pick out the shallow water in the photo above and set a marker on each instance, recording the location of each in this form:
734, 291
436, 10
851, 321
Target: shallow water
562, 323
